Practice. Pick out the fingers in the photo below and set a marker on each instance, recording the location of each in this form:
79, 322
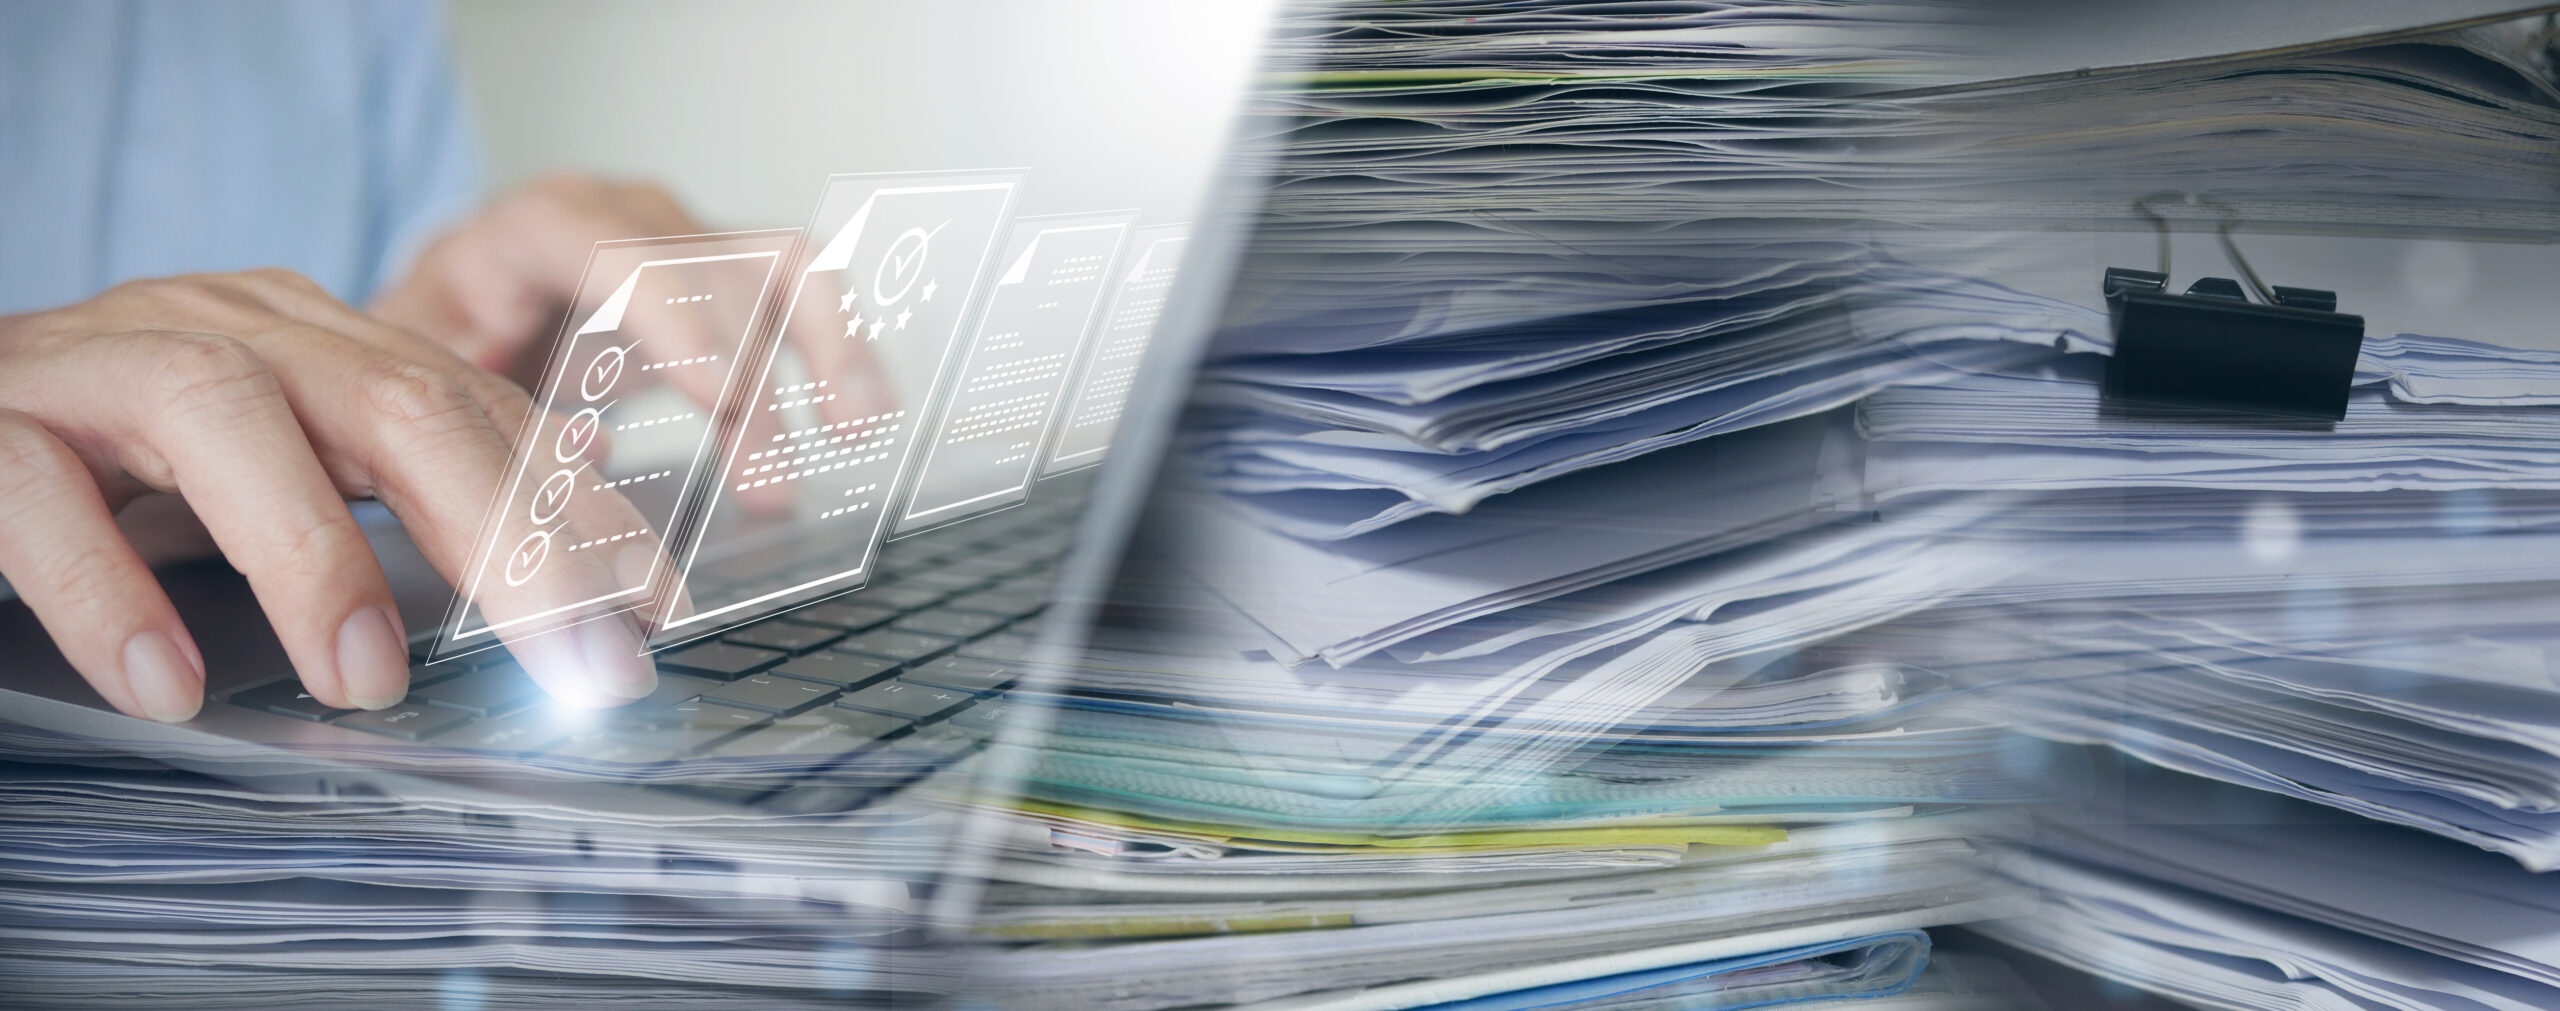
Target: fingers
604, 547
237, 452
398, 424
470, 298
491, 288
414, 437
202, 415
264, 405
60, 548
298, 298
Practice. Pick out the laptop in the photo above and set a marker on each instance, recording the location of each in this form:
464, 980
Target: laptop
835, 665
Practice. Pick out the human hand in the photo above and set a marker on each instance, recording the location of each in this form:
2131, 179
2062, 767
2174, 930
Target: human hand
265, 403
493, 290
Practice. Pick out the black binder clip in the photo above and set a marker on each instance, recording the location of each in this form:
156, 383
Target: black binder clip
2290, 354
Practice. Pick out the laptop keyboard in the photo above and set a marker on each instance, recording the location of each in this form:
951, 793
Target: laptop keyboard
906, 663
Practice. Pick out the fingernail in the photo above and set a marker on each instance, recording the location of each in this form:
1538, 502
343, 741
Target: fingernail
167, 686
614, 661
373, 664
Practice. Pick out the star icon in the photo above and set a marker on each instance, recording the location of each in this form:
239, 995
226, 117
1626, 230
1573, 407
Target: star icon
853, 327
845, 304
928, 289
875, 329
902, 317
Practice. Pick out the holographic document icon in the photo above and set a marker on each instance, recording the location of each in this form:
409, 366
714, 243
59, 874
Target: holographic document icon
1110, 369
1038, 314
892, 263
575, 531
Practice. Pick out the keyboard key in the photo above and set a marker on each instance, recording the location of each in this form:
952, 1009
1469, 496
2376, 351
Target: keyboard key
904, 698
696, 714
482, 657
672, 689
825, 732
983, 719
613, 751
488, 691
532, 730
897, 644
688, 727
937, 743
286, 698
822, 564
843, 670
1000, 602
908, 552
852, 617
679, 740
783, 695
965, 674
893, 568
787, 636
720, 660
1004, 522
983, 568
954, 624
945, 579
409, 721
1000, 648
905, 598
424, 674
1034, 586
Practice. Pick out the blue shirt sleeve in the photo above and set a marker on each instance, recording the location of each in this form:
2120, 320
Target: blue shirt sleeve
427, 161
143, 138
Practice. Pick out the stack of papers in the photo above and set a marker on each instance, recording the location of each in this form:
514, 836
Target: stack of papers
2354, 614
2427, 707
2226, 899
1475, 655
1586, 459
2456, 416
180, 886
2350, 627
1607, 563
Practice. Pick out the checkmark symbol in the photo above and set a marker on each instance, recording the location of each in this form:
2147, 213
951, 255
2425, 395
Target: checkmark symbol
527, 558
577, 434
553, 496
602, 371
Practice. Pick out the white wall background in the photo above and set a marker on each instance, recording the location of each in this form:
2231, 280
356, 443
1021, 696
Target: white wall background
742, 107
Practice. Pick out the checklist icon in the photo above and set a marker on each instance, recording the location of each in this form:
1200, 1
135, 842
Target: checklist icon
894, 264
566, 494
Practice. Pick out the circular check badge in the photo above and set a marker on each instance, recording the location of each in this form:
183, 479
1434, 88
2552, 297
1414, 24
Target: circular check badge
552, 497
527, 557
576, 435
901, 267
598, 377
